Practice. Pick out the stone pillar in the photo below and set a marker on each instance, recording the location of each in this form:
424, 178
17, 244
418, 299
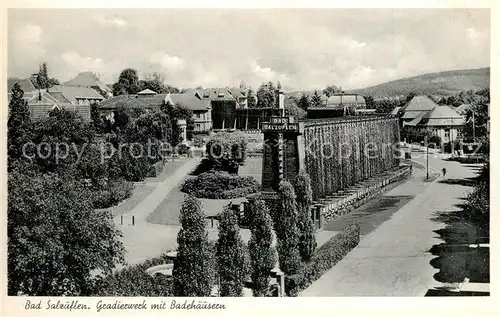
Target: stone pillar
183, 126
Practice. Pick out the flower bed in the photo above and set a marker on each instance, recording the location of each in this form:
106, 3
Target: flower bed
219, 185
323, 260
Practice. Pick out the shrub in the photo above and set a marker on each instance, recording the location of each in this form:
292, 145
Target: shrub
199, 139
112, 193
134, 281
156, 169
192, 271
227, 150
286, 229
182, 149
323, 259
435, 139
230, 255
217, 185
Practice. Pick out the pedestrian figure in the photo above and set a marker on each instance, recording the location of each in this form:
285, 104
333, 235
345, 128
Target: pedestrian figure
444, 171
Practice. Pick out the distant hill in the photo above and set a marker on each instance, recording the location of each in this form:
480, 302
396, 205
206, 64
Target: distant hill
436, 84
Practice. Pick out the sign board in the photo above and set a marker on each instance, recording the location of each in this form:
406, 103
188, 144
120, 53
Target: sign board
280, 124
289, 127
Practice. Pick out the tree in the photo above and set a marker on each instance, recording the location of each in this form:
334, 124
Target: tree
121, 118
56, 240
304, 102
64, 134
332, 89
291, 108
192, 276
128, 83
252, 101
262, 252
42, 79
230, 255
370, 102
227, 151
243, 85
267, 96
286, 229
307, 240
18, 125
476, 118
316, 99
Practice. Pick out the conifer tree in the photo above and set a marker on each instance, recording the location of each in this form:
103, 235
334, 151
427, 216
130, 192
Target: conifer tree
307, 240
192, 276
262, 252
286, 229
230, 255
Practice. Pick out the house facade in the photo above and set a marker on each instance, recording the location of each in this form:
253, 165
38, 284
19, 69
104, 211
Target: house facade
150, 100
42, 101
423, 113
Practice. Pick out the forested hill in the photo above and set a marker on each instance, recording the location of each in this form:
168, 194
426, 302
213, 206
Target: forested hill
436, 84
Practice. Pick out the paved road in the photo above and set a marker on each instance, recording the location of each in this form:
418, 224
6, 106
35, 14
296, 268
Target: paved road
393, 260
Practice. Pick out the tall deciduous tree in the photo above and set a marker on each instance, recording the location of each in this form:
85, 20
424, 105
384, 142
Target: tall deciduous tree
56, 240
262, 252
252, 100
230, 255
128, 83
286, 229
18, 125
332, 89
307, 240
192, 276
267, 95
304, 102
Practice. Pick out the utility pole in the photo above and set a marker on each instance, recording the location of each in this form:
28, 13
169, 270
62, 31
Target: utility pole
427, 145
473, 127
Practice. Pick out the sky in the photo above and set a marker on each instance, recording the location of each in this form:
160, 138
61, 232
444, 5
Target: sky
301, 48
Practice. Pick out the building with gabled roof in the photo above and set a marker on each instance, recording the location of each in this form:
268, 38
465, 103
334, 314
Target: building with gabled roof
89, 80
202, 111
423, 113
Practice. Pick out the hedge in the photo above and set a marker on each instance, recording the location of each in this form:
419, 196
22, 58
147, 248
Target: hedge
220, 185
323, 260
156, 169
113, 193
134, 281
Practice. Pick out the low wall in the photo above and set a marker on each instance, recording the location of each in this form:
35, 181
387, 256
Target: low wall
345, 201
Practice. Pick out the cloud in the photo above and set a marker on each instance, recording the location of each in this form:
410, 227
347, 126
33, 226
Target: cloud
29, 34
26, 49
472, 34
77, 61
110, 21
168, 62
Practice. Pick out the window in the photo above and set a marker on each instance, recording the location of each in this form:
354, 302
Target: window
198, 116
198, 126
447, 134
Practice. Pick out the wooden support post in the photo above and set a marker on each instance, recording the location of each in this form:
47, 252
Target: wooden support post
121, 220
133, 221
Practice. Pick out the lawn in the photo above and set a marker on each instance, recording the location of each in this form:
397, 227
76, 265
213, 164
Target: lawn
143, 189
168, 211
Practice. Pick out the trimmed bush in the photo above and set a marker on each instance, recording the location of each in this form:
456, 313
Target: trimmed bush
227, 150
217, 185
134, 281
113, 193
323, 259
156, 169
